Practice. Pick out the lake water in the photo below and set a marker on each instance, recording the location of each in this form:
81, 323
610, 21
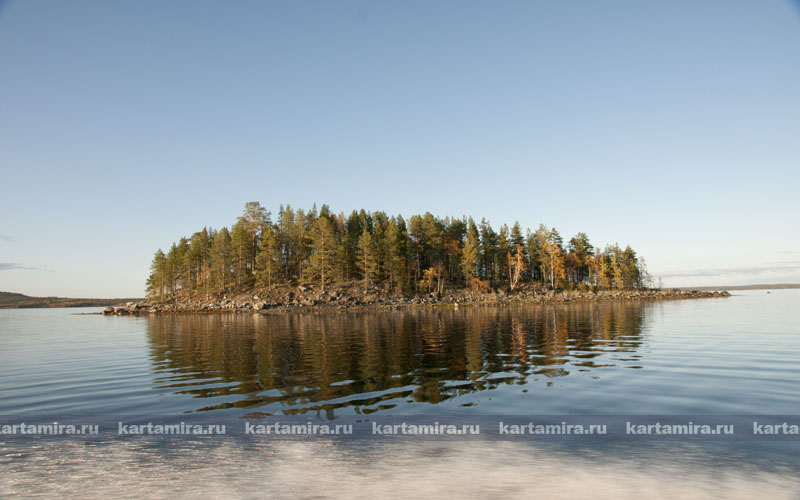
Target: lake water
722, 356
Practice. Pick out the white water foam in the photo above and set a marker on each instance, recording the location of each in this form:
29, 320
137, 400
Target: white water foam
407, 469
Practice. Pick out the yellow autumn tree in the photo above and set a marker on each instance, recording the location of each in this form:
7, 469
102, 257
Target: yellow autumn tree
516, 265
593, 266
429, 276
554, 263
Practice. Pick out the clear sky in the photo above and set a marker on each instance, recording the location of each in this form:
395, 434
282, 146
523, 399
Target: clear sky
670, 126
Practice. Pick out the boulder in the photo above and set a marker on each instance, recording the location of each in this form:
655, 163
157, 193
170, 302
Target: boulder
108, 310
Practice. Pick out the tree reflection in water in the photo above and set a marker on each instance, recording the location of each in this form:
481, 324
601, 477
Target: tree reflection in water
372, 361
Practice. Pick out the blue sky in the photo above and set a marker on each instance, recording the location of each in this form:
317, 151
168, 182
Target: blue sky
670, 126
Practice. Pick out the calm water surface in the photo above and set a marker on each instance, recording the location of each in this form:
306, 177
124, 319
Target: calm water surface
736, 355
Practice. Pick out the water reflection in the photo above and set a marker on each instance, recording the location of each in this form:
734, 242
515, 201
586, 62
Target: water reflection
376, 361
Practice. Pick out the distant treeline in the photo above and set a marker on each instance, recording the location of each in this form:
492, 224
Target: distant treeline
10, 300
761, 286
424, 253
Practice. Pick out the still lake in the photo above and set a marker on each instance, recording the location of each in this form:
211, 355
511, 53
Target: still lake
716, 356
736, 355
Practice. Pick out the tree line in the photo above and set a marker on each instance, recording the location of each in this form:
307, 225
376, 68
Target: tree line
422, 254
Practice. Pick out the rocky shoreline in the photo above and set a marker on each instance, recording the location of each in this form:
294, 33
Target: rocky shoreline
302, 298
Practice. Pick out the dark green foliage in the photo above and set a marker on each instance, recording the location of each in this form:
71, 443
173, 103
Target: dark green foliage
427, 253
325, 249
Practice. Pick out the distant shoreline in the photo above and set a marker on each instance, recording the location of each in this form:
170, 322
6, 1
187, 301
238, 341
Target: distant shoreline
9, 300
764, 286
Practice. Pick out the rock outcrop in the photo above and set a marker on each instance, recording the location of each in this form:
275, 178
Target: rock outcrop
307, 298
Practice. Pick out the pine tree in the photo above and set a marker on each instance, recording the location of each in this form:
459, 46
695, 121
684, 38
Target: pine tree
471, 253
156, 283
320, 246
615, 266
352, 231
253, 220
582, 248
503, 252
536, 247
396, 254
367, 258
242, 249
418, 245
172, 274
181, 265
631, 276
221, 259
268, 258
516, 235
291, 229
488, 250
605, 274
555, 239
199, 256
323, 254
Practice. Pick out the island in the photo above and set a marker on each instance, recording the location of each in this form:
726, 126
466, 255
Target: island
319, 259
